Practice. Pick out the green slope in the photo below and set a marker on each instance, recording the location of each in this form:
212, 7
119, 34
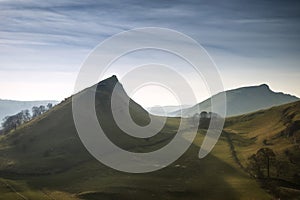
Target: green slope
44, 159
278, 129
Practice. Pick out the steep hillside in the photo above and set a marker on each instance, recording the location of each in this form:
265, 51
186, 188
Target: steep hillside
45, 159
244, 100
48, 142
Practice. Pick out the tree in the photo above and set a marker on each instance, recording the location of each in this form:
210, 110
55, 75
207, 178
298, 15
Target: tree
9, 123
254, 167
12, 122
49, 106
42, 109
281, 168
265, 155
261, 160
26, 115
35, 111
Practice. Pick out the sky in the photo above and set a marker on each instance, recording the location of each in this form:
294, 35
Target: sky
43, 44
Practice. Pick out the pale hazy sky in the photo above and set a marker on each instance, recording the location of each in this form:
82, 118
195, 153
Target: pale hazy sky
43, 43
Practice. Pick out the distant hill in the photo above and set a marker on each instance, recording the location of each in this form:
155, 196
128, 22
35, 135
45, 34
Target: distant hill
11, 107
165, 110
244, 100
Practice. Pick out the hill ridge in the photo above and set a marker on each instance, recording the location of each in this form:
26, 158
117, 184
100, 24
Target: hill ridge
243, 100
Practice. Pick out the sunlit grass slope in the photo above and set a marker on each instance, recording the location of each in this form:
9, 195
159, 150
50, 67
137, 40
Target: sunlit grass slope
278, 129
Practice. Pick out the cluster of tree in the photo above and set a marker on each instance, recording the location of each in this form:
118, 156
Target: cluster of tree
12, 122
261, 164
203, 119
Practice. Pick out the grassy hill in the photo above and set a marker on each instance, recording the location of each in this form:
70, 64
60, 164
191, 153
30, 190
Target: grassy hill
244, 100
44, 159
277, 129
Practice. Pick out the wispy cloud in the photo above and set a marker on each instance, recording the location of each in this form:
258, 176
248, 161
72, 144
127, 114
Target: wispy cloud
57, 35
242, 26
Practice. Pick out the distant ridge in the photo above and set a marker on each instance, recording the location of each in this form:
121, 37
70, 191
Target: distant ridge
164, 110
244, 100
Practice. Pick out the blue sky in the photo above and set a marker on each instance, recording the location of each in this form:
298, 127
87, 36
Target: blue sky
44, 43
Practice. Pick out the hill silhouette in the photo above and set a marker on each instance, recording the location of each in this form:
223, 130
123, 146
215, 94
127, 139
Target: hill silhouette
243, 100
